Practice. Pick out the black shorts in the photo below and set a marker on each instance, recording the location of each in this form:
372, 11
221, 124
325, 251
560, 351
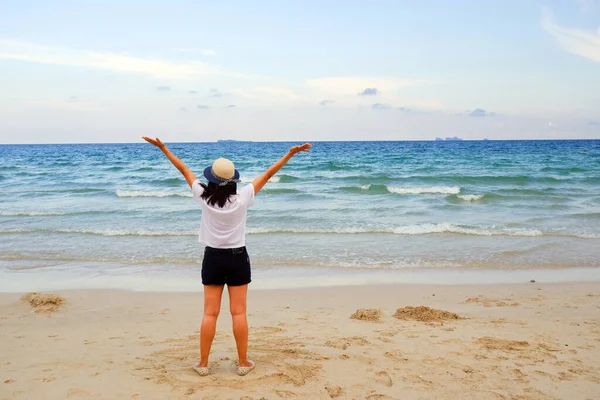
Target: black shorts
226, 267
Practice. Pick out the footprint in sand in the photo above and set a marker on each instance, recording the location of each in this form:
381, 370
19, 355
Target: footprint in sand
285, 394
334, 391
383, 378
378, 396
344, 343
78, 393
395, 355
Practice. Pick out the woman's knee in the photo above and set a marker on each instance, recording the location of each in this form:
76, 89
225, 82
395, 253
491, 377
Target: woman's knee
211, 312
237, 309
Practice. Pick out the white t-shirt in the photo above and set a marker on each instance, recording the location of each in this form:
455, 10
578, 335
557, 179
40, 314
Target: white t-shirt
224, 228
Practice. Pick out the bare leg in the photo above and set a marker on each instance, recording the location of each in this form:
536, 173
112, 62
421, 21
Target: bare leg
212, 306
237, 305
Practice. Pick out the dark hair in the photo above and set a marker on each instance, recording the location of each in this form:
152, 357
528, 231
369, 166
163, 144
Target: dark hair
219, 195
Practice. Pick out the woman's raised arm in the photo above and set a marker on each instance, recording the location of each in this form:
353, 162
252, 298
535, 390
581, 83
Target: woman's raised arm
262, 179
185, 171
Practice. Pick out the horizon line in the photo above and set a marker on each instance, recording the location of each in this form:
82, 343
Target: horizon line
311, 141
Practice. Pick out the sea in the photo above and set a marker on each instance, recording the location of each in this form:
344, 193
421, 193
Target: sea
77, 216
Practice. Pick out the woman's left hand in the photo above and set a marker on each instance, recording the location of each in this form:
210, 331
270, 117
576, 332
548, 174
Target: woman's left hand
155, 141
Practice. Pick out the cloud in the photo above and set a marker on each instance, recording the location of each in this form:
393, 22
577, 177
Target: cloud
71, 104
407, 110
326, 102
379, 106
348, 86
585, 5
183, 109
163, 88
594, 124
231, 106
479, 112
204, 52
577, 41
215, 93
369, 92
109, 61
192, 92
202, 107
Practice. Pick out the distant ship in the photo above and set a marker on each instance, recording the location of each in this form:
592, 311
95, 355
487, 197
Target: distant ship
439, 139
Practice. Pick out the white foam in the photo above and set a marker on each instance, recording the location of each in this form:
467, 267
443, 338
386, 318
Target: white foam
315, 230
424, 229
131, 193
365, 187
470, 197
588, 235
420, 229
108, 232
28, 213
274, 179
424, 190
130, 232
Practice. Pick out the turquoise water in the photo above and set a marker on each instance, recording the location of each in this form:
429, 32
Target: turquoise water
121, 211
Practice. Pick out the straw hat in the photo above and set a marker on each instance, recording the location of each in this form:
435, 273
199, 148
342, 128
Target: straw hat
222, 172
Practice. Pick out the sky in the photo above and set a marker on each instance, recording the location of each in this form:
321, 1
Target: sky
111, 71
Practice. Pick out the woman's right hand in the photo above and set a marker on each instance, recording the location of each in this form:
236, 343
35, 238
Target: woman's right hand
302, 148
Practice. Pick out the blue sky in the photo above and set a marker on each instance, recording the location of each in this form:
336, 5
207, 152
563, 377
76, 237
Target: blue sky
110, 71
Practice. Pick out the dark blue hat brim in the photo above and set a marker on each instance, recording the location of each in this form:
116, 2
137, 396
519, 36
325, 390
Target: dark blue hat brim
209, 176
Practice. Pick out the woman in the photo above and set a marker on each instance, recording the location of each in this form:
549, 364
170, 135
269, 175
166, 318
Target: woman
222, 230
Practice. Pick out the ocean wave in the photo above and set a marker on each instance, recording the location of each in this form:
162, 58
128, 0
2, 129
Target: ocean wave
519, 180
332, 166
36, 192
370, 189
419, 229
425, 190
280, 190
29, 213
585, 215
470, 197
133, 193
168, 182
49, 213
563, 169
406, 230
515, 192
105, 232
386, 189
246, 179
589, 235
424, 229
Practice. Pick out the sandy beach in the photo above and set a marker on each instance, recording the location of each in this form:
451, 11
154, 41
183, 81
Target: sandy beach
518, 341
